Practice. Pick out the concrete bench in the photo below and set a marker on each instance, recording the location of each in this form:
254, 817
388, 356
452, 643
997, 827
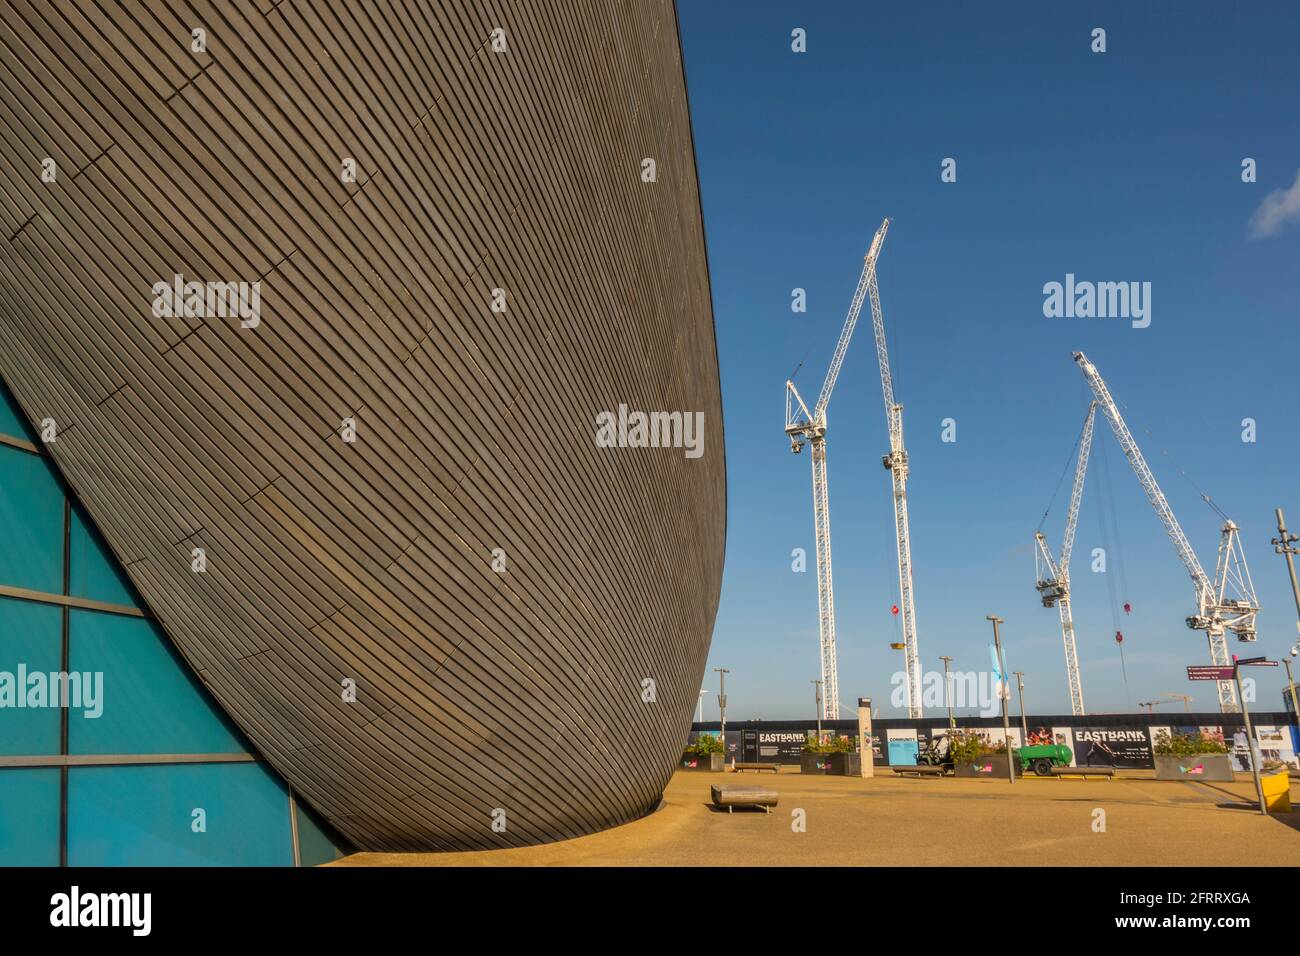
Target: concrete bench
774, 767
1085, 772
921, 770
731, 797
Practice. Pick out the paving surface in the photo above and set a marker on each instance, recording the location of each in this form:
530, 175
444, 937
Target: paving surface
888, 821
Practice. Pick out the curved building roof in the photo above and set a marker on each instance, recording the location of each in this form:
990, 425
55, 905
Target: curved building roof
380, 477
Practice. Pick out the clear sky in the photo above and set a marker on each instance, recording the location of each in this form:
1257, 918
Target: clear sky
1116, 166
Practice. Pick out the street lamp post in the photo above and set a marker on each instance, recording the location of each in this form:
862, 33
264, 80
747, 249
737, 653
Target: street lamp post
1250, 737
817, 699
1290, 685
722, 673
1004, 692
1024, 726
1284, 544
947, 689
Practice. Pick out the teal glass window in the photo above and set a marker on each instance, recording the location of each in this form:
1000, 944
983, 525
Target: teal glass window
146, 816
92, 571
149, 702
317, 842
31, 641
153, 703
29, 817
31, 516
12, 421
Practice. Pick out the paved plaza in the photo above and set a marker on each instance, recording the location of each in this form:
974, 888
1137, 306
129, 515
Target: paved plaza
888, 821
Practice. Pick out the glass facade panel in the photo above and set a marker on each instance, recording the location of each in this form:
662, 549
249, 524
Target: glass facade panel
178, 815
31, 643
317, 843
92, 571
31, 514
148, 701
153, 703
12, 421
29, 817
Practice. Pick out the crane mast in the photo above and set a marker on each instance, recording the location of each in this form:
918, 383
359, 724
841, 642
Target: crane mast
896, 462
805, 426
1216, 611
1054, 578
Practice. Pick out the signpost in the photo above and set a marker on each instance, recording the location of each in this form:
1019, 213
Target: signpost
1257, 662
868, 759
999, 664
1250, 738
1233, 673
722, 707
1210, 672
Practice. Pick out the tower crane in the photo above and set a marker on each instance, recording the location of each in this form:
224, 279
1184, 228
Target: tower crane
1054, 578
1151, 705
1228, 603
809, 427
896, 462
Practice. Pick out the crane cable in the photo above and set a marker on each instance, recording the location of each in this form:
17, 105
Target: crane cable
801, 361
1109, 527
1119, 549
1061, 480
1179, 468
896, 357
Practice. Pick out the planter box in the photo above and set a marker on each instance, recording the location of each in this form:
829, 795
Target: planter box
710, 763
990, 766
814, 763
838, 765
850, 764
1195, 767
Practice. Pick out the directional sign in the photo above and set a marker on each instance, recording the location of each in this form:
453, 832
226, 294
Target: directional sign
1258, 662
1209, 672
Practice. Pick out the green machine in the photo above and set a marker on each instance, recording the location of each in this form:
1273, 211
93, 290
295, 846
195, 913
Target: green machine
1041, 758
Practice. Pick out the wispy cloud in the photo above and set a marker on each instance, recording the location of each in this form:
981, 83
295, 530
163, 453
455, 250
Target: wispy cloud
1279, 209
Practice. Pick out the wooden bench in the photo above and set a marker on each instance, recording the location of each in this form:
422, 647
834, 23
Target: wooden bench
774, 767
730, 797
1085, 772
921, 770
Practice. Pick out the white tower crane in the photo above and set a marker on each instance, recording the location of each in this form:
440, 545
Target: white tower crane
803, 426
1227, 603
896, 462
1054, 578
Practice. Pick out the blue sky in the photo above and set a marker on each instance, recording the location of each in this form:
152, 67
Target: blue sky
1121, 166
